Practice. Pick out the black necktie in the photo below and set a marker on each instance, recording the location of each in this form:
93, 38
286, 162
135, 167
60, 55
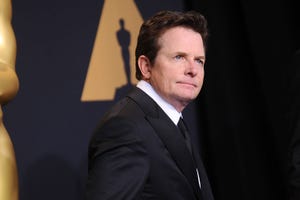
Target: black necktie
184, 130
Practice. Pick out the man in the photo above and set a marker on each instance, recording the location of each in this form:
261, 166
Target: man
138, 151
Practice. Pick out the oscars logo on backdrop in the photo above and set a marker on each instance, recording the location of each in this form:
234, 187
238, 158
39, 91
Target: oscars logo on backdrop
124, 41
112, 64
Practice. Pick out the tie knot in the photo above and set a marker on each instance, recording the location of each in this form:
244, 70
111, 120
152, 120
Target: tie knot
181, 125
184, 130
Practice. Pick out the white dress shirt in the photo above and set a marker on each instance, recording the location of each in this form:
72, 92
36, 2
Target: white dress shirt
172, 113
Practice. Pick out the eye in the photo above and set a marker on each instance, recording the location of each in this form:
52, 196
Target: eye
200, 61
178, 57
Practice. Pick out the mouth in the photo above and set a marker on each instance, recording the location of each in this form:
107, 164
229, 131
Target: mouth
188, 84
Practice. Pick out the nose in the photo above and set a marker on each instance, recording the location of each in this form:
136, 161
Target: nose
192, 68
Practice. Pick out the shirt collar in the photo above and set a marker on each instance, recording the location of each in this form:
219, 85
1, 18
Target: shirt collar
172, 113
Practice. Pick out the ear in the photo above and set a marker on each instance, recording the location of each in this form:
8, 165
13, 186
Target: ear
145, 67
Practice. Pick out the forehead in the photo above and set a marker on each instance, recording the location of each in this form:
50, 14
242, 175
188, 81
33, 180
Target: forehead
181, 39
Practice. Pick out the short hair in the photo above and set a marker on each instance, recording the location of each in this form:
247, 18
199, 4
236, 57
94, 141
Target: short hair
155, 26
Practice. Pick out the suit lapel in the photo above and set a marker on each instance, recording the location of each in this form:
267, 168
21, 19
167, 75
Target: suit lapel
175, 144
170, 136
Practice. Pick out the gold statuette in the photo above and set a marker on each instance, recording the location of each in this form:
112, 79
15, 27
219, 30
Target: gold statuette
9, 86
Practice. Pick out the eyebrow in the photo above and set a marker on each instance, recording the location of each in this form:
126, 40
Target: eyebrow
201, 57
183, 53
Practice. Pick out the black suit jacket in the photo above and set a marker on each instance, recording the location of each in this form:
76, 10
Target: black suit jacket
137, 152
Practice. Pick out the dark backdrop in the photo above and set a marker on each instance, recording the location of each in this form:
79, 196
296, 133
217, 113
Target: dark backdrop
241, 110
245, 101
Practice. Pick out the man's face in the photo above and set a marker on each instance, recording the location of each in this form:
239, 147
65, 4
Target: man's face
178, 69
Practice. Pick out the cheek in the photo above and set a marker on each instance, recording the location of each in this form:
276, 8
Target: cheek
200, 76
162, 76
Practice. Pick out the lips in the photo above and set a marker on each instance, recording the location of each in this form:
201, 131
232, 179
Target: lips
187, 83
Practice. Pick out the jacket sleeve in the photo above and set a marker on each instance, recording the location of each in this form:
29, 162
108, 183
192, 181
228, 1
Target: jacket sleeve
118, 163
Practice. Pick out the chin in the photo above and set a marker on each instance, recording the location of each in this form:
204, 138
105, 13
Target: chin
191, 96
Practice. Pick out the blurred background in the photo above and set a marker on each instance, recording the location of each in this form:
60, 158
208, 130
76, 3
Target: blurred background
242, 114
